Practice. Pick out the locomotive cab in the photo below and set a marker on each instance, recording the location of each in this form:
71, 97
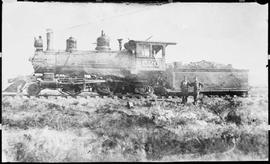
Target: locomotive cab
149, 56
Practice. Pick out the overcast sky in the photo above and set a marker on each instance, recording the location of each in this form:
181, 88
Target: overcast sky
232, 33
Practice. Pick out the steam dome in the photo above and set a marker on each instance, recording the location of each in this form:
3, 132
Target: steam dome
103, 42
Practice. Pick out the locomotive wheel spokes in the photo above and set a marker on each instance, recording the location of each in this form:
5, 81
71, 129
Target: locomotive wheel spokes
103, 89
71, 91
144, 90
33, 89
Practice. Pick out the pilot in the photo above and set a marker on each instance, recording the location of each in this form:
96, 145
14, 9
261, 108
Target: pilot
197, 87
184, 89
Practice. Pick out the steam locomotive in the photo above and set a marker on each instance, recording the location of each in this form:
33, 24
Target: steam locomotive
138, 68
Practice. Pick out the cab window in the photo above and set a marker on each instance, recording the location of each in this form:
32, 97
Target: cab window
143, 50
157, 51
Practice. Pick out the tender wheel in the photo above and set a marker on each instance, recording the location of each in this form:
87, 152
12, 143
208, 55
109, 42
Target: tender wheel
144, 90
33, 89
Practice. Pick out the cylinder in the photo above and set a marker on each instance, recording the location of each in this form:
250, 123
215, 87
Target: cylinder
49, 39
48, 76
48, 84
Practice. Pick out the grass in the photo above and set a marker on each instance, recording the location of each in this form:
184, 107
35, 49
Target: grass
96, 129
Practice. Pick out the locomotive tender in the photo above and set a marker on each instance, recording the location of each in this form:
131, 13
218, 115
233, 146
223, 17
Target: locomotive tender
139, 68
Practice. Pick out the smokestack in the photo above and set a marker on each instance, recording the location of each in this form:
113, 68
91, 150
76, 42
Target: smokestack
120, 44
49, 39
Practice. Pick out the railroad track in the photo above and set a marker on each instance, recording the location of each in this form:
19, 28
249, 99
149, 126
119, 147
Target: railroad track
93, 95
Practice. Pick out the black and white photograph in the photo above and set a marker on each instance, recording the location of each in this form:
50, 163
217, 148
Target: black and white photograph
134, 82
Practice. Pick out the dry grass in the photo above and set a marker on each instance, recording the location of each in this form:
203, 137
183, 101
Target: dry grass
96, 129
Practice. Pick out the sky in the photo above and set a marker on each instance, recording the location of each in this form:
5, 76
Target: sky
226, 33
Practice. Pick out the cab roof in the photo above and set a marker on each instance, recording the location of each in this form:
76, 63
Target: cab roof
154, 43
